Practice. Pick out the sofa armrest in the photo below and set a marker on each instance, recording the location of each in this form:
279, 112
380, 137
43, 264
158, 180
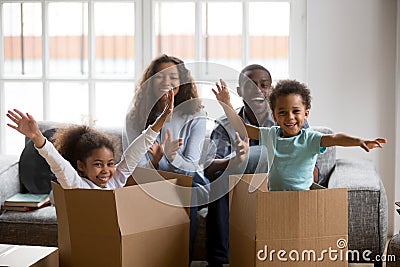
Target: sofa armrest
367, 204
354, 174
9, 178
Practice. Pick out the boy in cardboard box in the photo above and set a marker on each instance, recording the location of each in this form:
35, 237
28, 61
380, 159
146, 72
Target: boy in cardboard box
292, 151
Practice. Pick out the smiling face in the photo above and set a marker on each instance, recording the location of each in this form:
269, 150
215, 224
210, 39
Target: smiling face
255, 91
98, 167
166, 78
290, 114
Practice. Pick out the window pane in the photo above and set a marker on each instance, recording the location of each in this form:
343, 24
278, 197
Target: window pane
269, 37
211, 106
112, 102
27, 97
222, 33
115, 31
22, 45
69, 102
68, 38
174, 29
205, 92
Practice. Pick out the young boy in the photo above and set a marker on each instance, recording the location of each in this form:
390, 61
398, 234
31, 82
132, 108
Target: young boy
292, 151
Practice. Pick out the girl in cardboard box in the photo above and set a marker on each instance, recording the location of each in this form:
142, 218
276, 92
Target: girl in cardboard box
292, 151
83, 157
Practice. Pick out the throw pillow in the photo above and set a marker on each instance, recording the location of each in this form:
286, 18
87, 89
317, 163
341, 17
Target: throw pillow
34, 172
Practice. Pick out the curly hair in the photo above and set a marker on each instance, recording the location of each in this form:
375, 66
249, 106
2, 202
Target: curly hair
287, 87
143, 111
76, 142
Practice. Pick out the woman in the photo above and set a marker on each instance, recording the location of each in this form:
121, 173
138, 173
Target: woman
186, 128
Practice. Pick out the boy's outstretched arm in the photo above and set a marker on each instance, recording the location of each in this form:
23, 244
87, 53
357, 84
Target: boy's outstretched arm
341, 139
222, 95
26, 125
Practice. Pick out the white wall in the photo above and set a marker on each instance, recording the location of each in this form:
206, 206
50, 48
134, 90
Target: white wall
351, 71
397, 168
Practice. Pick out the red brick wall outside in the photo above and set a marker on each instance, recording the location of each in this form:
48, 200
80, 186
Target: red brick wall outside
123, 46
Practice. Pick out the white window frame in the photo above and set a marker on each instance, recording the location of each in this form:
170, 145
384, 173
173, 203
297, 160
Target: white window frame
297, 35
144, 39
2, 94
45, 79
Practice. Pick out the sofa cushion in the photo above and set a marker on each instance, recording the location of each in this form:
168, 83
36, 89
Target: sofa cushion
34, 172
6, 162
9, 180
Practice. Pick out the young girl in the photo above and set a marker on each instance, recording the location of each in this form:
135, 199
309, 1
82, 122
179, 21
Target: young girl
292, 151
85, 156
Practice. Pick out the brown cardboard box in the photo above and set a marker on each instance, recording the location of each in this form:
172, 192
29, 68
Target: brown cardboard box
287, 228
127, 226
28, 256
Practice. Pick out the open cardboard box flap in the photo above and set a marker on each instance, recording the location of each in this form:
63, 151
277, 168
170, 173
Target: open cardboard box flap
144, 175
28, 256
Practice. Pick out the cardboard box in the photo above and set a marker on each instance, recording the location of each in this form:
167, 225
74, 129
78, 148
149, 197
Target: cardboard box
287, 228
130, 226
28, 256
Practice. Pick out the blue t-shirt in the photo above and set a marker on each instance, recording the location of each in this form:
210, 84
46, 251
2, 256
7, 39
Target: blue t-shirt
292, 159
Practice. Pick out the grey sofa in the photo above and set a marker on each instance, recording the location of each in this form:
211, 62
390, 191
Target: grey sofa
366, 198
38, 227
367, 206
367, 202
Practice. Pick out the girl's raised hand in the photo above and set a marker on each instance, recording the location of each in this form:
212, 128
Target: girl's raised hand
169, 107
26, 125
222, 93
167, 112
